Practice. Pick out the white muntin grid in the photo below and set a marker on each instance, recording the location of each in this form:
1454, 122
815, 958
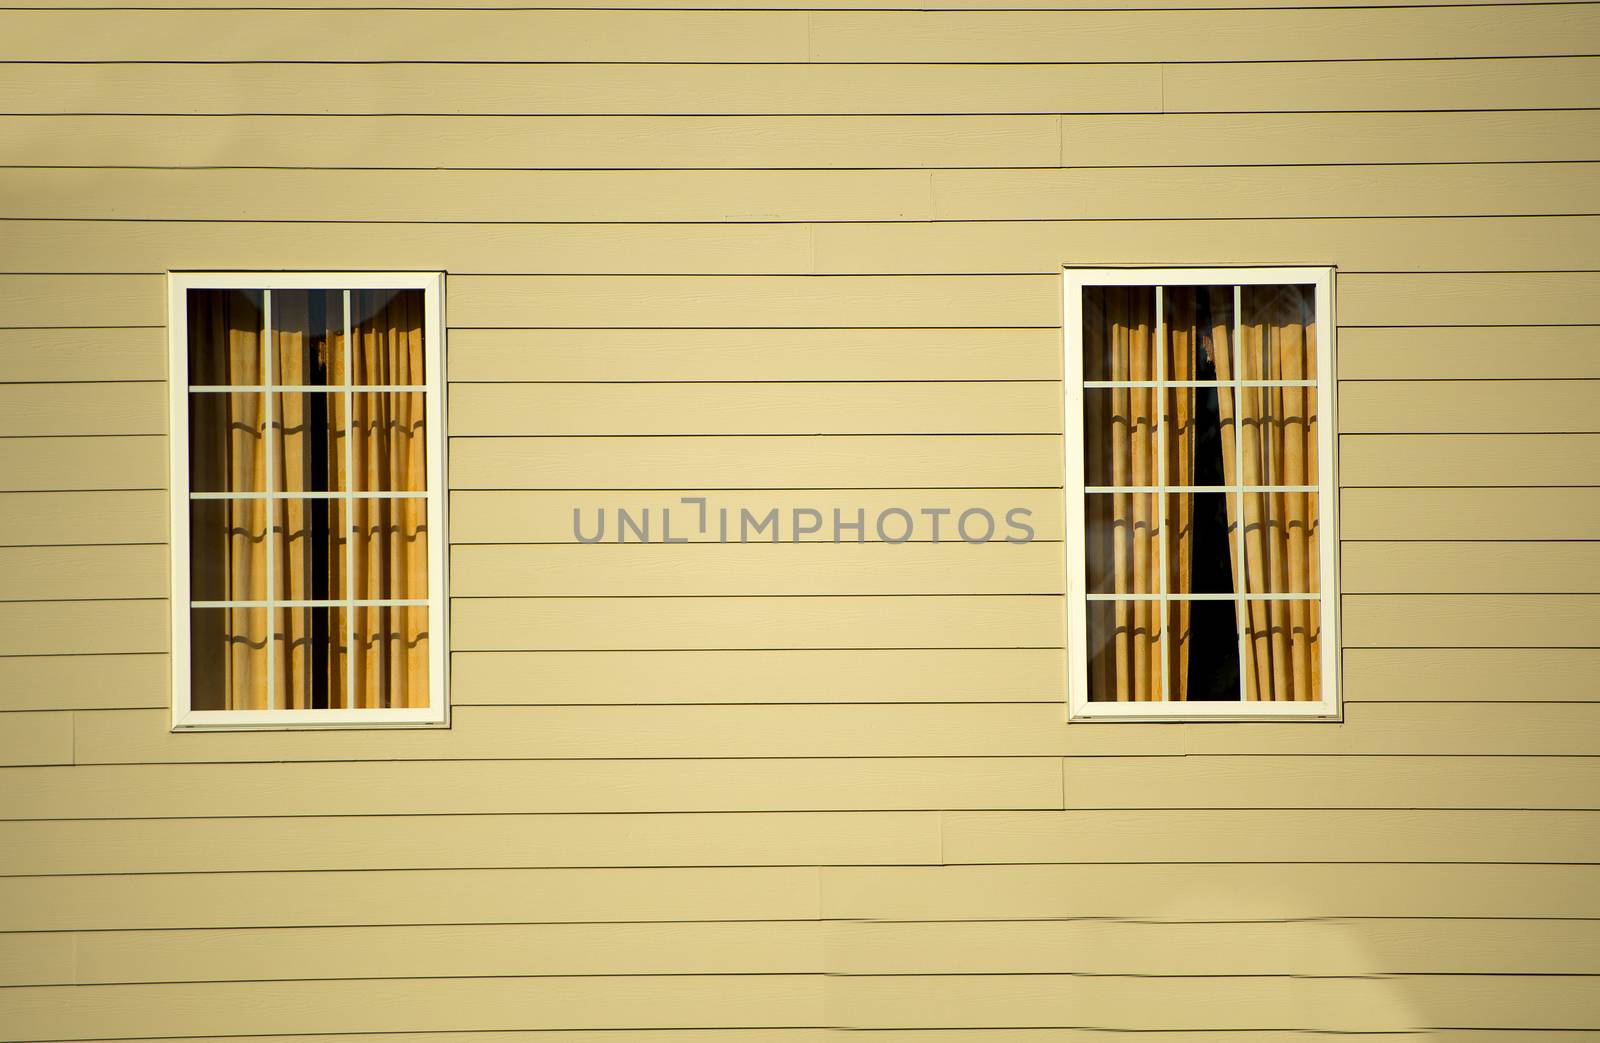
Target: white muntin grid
1077, 494
436, 712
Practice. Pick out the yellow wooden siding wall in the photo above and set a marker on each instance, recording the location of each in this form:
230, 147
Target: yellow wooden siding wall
809, 257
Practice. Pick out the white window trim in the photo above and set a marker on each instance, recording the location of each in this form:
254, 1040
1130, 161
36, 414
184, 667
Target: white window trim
1079, 708
437, 712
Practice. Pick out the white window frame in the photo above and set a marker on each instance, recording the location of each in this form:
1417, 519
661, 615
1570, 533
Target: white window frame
437, 712
1079, 707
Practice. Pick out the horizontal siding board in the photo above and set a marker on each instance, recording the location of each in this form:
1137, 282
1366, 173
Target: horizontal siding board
1227, 139
1215, 893
486, 196
49, 518
1507, 83
666, 89
542, 517
467, 950
391, 1005
810, 731
1425, 461
824, 462
165, 901
1464, 621
1189, 193
1191, 35
29, 300
88, 464
710, 247
513, 787
72, 354
754, 355
1306, 948
639, 196
82, 627
1516, 83
36, 738
835, 675
72, 573
1238, 836
1471, 406
730, 407
773, 36
531, 787
1510, 783
455, 141
1332, 1005
127, 408
765, 570
1439, 353
84, 682
734, 301
1469, 299
1466, 567
1471, 514
348, 36
1438, 244
511, 841
38, 959
497, 624
1472, 674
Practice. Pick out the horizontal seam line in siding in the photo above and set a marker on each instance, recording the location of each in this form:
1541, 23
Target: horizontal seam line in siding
813, 63
929, 864
840, 169
755, 114
921, 812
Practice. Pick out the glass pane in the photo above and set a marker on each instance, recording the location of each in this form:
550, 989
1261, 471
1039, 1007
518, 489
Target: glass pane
1278, 333
309, 429
386, 331
1204, 664
1200, 549
1119, 446
228, 658
308, 337
1283, 643
1283, 540
227, 442
1119, 545
1197, 433
391, 549
1280, 435
309, 644
390, 442
227, 550
391, 657
308, 550
1199, 329
224, 336
1119, 324
1124, 651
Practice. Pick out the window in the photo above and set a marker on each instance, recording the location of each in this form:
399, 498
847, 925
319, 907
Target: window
1200, 487
307, 500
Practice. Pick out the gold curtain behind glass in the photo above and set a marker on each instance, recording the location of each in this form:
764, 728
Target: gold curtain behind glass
1122, 555
1282, 638
391, 547
227, 452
